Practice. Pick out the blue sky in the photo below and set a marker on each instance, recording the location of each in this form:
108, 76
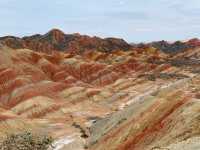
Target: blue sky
133, 20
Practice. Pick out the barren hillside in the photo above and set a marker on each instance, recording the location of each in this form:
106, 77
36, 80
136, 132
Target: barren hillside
107, 95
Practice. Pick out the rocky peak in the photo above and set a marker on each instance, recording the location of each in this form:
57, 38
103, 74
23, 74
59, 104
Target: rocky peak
55, 35
194, 42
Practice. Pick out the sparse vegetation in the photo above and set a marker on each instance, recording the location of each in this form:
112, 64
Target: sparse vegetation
83, 131
26, 141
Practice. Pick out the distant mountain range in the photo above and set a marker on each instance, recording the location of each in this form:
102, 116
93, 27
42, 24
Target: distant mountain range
57, 40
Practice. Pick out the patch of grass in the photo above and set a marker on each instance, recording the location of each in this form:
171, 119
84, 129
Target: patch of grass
26, 141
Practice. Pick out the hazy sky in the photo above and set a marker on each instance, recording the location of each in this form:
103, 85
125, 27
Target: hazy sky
133, 20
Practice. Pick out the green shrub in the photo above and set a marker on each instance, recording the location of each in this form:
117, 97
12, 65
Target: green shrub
26, 141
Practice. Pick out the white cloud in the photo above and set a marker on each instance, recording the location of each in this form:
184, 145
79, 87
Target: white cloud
121, 2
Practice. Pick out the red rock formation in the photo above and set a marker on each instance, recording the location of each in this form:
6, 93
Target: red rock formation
78, 87
56, 40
